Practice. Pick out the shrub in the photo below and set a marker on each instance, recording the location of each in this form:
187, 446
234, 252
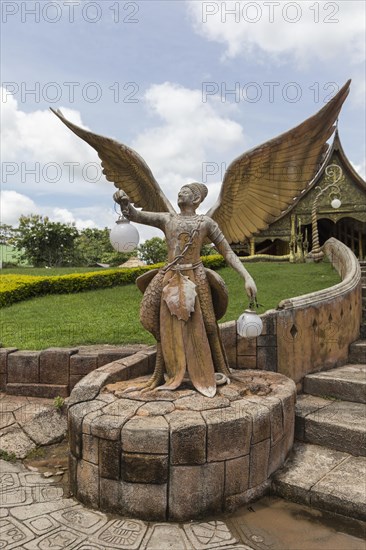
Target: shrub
15, 288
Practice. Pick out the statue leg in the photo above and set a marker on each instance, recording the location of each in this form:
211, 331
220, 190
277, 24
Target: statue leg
149, 317
212, 330
158, 375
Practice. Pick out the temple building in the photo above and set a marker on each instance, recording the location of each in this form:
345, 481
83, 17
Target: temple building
340, 210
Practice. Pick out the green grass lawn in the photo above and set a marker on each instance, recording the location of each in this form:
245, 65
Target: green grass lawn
111, 316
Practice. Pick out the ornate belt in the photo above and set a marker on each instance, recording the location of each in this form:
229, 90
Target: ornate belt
182, 267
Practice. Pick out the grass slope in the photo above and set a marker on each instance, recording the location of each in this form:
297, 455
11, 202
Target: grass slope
111, 316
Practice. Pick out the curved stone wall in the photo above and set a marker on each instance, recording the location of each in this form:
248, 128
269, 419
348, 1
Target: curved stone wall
314, 331
176, 455
307, 333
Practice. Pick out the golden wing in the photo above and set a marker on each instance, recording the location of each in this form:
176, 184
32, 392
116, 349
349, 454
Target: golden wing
125, 168
262, 183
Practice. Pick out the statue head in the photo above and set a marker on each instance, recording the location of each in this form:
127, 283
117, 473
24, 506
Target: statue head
198, 192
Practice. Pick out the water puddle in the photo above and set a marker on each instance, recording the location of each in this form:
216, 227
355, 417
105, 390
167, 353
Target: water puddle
272, 523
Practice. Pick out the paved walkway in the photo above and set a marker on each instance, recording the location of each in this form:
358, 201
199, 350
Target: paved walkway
36, 512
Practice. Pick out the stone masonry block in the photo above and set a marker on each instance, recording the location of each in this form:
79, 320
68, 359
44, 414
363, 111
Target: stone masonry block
205, 481
187, 438
88, 387
246, 362
277, 456
109, 458
246, 346
269, 320
48, 391
81, 364
76, 415
111, 496
73, 464
23, 367
3, 380
144, 468
54, 365
267, 358
259, 456
267, 340
90, 446
74, 380
146, 435
4, 352
261, 422
236, 475
228, 436
109, 356
276, 420
229, 340
145, 501
107, 427
88, 484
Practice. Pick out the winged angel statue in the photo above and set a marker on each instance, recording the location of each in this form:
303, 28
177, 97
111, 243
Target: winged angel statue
183, 301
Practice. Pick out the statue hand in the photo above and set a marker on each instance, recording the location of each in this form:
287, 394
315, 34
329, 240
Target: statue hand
250, 287
123, 200
120, 197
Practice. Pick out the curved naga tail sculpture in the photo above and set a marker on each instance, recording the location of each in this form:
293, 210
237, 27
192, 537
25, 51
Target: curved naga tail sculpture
178, 305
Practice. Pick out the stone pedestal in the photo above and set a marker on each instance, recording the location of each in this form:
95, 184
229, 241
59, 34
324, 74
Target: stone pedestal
176, 455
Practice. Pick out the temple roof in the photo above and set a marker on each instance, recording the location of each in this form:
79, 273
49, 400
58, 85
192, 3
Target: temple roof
337, 148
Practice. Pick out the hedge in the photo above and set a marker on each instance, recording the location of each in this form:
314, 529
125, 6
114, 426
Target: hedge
15, 288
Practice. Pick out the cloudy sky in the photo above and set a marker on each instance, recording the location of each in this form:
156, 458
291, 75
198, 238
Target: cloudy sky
190, 85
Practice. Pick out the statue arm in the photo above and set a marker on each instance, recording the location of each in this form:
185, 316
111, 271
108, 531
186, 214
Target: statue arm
232, 259
156, 219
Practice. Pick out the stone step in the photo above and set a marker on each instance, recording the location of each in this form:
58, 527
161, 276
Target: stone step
347, 383
323, 478
340, 425
357, 352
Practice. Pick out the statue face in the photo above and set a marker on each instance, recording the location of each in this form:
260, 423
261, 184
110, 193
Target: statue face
185, 196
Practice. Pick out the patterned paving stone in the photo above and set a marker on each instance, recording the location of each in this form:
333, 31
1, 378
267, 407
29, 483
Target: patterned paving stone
42, 524
63, 538
211, 534
13, 534
20, 496
81, 519
122, 533
166, 536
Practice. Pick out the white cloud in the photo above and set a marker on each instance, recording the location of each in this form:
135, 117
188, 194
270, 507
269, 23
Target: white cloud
191, 132
13, 205
38, 151
303, 31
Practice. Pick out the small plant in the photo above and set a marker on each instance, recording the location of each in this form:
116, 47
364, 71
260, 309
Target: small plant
9, 457
58, 402
36, 453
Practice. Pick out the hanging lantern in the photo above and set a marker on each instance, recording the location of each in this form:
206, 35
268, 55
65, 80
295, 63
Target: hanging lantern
336, 203
124, 237
249, 324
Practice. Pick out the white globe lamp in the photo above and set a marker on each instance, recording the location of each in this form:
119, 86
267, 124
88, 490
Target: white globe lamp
124, 237
336, 203
249, 324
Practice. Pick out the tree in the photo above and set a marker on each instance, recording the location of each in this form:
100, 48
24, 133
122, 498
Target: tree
153, 251
208, 250
93, 246
45, 243
7, 232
